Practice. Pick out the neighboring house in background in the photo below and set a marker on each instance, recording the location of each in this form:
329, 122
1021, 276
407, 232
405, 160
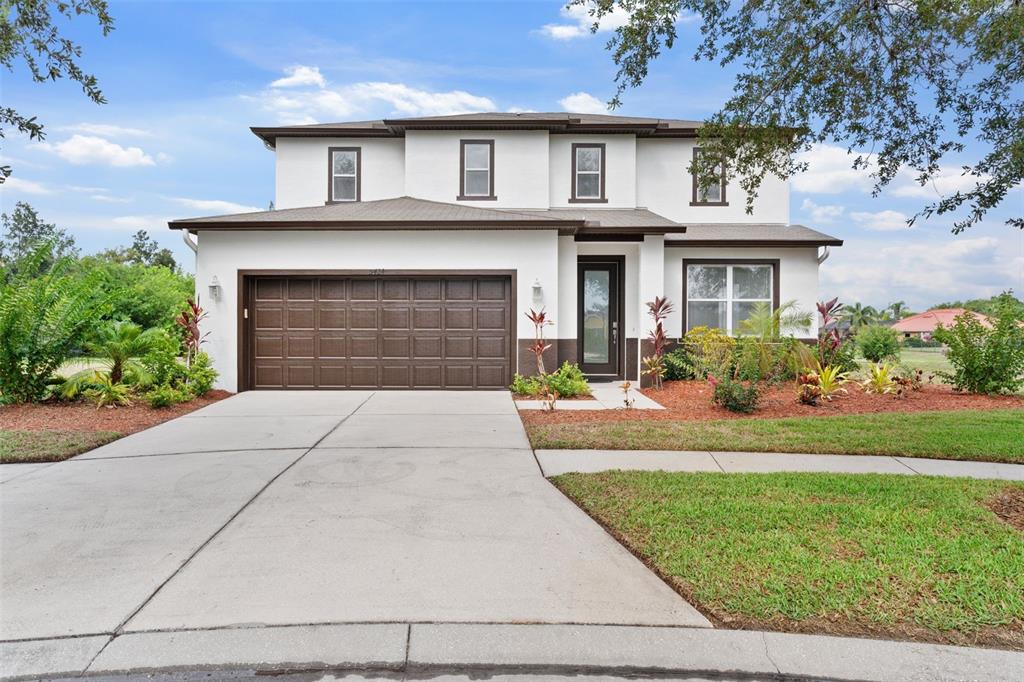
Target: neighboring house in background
922, 325
404, 253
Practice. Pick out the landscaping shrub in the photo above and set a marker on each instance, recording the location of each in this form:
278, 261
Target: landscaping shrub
161, 360
679, 364
918, 342
844, 357
166, 395
201, 375
106, 393
985, 360
567, 380
771, 362
878, 343
119, 344
734, 395
44, 316
710, 350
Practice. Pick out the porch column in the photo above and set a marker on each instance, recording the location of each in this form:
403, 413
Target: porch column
652, 284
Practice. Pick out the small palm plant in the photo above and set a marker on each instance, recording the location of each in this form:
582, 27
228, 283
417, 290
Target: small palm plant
767, 324
119, 344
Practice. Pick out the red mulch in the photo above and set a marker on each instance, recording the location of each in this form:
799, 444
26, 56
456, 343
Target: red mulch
691, 400
1008, 505
81, 416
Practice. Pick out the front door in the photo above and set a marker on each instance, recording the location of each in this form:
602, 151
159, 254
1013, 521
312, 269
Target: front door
599, 316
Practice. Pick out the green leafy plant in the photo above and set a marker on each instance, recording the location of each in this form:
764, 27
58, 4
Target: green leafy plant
878, 343
710, 350
830, 381
734, 395
201, 375
44, 316
167, 395
525, 385
654, 367
567, 380
768, 324
105, 393
985, 360
161, 361
120, 344
678, 364
880, 379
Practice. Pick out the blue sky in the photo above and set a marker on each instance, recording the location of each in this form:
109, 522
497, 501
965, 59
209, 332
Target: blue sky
185, 80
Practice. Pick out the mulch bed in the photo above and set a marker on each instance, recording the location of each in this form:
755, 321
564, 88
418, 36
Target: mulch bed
81, 416
1008, 505
691, 400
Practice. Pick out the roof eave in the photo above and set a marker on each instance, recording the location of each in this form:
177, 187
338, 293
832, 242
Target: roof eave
753, 242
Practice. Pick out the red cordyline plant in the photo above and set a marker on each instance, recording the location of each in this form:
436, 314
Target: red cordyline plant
829, 337
189, 320
659, 309
539, 345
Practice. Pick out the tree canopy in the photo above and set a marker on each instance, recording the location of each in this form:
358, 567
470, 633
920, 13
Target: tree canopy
24, 230
909, 81
29, 34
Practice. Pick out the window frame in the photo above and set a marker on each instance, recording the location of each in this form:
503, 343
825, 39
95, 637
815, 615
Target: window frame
490, 196
574, 198
695, 197
728, 262
331, 175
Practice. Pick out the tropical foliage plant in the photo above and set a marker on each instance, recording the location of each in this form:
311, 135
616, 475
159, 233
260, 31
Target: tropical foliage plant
106, 393
830, 381
878, 343
768, 324
44, 317
879, 379
735, 395
986, 360
539, 345
654, 366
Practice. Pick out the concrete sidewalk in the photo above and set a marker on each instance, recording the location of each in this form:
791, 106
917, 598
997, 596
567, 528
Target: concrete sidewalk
482, 650
555, 462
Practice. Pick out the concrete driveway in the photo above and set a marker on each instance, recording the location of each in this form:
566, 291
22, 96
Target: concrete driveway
286, 508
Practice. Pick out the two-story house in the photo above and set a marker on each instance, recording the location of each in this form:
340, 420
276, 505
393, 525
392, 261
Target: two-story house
406, 253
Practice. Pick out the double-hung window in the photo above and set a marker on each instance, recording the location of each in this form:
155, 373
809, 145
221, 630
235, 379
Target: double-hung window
477, 181
343, 179
714, 194
722, 295
588, 173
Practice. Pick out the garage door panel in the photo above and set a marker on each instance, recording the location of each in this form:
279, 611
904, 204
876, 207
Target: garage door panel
380, 332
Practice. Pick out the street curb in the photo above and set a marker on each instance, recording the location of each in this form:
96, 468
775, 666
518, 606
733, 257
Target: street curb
435, 648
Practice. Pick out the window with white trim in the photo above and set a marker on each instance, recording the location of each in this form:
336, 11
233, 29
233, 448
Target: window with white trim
724, 295
345, 174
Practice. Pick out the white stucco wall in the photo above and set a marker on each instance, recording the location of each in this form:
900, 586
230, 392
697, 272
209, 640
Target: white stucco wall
301, 169
665, 186
798, 277
620, 169
532, 253
432, 166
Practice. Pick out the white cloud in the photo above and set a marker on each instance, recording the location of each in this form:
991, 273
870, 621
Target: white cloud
922, 272
581, 21
300, 76
821, 213
215, 206
107, 199
25, 186
583, 103
313, 104
946, 182
87, 149
106, 130
151, 223
830, 171
882, 221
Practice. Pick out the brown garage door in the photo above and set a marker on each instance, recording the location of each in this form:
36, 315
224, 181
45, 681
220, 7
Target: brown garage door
337, 332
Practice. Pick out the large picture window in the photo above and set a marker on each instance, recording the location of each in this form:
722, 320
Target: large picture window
343, 174
588, 173
477, 181
722, 295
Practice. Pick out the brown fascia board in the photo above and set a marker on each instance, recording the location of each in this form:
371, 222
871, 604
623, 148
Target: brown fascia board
270, 135
752, 242
365, 225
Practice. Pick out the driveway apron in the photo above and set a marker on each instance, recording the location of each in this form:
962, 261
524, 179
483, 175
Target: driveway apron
314, 508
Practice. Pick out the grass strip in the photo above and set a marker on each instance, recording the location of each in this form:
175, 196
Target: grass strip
49, 446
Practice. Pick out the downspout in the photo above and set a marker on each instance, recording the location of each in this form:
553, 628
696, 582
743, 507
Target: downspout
186, 237
823, 256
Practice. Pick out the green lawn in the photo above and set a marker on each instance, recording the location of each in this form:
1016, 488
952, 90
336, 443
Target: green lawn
49, 446
929, 360
893, 556
988, 435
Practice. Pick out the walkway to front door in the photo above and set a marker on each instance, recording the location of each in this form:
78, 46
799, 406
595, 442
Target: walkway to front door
314, 507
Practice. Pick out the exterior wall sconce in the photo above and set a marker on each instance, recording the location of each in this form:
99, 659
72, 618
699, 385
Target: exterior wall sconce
538, 292
215, 288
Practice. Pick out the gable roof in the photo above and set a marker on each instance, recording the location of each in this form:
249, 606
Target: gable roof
927, 321
407, 213
555, 122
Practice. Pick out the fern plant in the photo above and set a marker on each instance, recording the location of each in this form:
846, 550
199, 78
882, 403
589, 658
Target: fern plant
44, 317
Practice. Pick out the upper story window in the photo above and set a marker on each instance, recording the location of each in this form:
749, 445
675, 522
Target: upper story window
713, 195
477, 170
588, 173
344, 167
